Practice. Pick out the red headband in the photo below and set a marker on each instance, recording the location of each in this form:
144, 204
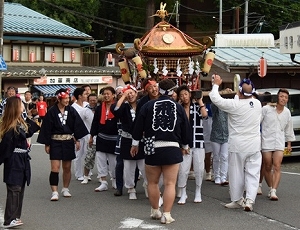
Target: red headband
63, 95
129, 87
149, 84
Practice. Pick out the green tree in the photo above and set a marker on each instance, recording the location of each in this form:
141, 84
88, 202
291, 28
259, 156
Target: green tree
265, 16
128, 19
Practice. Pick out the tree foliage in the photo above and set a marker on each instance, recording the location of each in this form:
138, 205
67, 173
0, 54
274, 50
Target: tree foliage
111, 20
128, 18
115, 20
265, 16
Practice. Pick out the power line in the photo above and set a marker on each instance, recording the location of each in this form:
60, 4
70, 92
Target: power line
92, 18
126, 5
209, 12
109, 23
174, 8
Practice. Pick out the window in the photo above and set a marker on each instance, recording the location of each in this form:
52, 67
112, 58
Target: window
71, 54
30, 53
7, 53
48, 53
294, 105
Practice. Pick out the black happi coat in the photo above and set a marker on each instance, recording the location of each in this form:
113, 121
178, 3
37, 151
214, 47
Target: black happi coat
53, 125
125, 116
108, 132
163, 119
142, 102
17, 165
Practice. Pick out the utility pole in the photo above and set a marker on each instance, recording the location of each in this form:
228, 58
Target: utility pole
237, 20
150, 11
1, 38
246, 17
220, 17
177, 14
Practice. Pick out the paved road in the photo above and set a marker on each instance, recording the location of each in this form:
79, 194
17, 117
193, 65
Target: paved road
90, 210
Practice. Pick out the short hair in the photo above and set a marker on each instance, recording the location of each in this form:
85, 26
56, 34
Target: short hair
77, 92
27, 92
166, 84
146, 81
101, 91
282, 90
92, 95
12, 87
86, 85
182, 87
108, 88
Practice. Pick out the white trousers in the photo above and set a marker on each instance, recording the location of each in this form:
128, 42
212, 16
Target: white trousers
102, 167
220, 160
80, 155
129, 171
243, 172
197, 156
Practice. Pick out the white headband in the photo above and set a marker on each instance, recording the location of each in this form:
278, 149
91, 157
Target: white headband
166, 92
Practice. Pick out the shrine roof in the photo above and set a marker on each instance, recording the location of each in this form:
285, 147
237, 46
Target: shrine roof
165, 39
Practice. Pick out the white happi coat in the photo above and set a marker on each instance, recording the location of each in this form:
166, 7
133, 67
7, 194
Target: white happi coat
276, 128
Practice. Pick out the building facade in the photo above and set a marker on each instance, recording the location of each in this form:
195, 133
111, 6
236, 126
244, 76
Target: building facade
43, 55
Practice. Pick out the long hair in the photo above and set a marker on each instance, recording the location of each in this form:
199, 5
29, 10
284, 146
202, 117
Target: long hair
12, 116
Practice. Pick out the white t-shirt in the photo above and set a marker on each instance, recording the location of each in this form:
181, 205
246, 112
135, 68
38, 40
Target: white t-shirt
86, 115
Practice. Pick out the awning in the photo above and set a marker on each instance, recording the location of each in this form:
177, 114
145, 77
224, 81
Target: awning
49, 90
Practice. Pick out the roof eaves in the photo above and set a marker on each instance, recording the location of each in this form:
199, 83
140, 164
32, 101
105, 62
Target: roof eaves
54, 40
222, 65
35, 71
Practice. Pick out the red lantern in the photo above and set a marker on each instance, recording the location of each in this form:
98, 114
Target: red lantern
32, 56
53, 57
72, 55
16, 55
109, 57
262, 67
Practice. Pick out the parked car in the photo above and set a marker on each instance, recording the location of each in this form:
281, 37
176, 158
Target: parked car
293, 105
